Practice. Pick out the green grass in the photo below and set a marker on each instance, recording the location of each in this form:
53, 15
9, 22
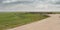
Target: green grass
14, 19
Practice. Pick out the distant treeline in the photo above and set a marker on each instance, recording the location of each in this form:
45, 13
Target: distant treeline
44, 12
33, 12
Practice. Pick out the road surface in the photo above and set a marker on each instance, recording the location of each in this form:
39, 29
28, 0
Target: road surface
51, 23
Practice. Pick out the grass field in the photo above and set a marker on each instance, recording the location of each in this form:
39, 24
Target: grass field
14, 19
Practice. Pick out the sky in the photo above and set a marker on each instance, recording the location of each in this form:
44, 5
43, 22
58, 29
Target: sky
29, 5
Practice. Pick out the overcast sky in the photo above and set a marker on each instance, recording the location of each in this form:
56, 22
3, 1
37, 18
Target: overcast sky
27, 5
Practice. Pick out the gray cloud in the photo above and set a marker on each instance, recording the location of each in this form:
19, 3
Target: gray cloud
27, 5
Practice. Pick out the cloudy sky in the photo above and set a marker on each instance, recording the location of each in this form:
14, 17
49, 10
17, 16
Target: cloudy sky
29, 5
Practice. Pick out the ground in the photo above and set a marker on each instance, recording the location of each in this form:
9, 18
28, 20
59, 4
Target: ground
13, 19
51, 23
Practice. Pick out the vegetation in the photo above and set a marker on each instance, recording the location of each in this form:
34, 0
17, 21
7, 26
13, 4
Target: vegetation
46, 12
14, 19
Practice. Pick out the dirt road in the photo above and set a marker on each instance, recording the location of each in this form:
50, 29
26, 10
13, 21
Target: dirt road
51, 23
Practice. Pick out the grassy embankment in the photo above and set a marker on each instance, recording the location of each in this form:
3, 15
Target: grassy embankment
14, 19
